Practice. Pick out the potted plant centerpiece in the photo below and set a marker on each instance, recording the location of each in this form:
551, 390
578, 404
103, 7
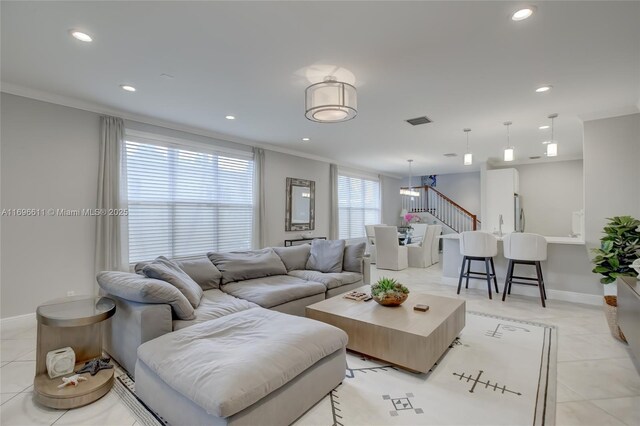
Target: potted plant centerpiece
389, 292
619, 248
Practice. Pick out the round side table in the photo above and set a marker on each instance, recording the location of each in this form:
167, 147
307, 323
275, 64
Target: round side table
74, 322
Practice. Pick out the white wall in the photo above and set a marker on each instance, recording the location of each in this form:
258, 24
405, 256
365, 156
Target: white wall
49, 158
549, 193
611, 171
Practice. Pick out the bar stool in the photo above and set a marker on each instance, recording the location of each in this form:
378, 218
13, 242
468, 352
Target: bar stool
525, 249
478, 246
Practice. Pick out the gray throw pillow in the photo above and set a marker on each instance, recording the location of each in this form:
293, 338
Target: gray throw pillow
166, 270
295, 257
326, 255
200, 269
353, 255
135, 288
245, 265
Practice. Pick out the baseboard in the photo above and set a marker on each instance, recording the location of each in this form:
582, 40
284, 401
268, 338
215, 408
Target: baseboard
565, 296
19, 321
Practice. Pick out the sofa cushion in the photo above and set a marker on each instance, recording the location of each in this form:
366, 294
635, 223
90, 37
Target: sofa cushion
294, 257
331, 279
245, 265
200, 269
273, 291
353, 255
166, 270
326, 255
215, 304
141, 289
228, 364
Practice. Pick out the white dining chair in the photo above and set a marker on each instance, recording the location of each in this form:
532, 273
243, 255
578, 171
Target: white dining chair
435, 244
371, 241
418, 234
478, 246
390, 254
525, 249
420, 253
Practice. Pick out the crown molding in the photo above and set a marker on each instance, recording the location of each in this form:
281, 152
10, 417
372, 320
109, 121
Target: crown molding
75, 103
610, 113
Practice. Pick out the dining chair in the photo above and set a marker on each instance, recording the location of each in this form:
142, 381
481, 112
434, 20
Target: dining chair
371, 241
390, 254
435, 244
420, 253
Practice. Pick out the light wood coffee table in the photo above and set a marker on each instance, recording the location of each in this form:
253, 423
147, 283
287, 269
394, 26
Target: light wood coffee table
410, 339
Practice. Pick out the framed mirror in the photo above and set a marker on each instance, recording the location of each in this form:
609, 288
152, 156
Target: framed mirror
300, 208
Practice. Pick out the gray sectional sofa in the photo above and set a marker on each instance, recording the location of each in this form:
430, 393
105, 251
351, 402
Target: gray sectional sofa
210, 340
283, 279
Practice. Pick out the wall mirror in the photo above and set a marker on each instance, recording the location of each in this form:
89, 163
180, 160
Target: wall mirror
300, 209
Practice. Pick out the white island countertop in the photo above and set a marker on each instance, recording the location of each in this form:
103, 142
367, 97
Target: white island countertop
550, 240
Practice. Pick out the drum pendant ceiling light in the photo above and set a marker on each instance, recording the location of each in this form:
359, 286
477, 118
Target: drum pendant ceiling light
330, 101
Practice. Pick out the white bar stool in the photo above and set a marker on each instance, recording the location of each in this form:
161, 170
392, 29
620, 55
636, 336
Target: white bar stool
478, 246
525, 249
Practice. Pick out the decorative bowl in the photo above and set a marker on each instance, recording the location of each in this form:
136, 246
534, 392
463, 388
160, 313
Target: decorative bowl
391, 299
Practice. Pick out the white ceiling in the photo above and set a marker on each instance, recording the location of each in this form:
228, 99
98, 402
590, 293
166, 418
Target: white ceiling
464, 64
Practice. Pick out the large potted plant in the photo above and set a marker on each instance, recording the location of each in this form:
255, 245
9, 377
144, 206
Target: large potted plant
619, 248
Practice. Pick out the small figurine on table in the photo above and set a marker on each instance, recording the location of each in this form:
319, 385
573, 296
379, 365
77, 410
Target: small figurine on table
73, 380
95, 365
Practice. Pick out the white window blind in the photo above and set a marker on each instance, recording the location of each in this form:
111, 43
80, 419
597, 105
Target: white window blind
359, 205
186, 201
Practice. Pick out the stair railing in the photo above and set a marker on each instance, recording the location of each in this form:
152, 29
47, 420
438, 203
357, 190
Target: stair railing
443, 208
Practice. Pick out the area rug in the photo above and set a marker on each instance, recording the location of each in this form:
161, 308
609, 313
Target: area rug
499, 371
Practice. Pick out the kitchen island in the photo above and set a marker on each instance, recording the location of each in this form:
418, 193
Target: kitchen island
567, 270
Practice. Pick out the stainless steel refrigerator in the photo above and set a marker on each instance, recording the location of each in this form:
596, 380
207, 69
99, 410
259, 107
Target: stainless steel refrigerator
518, 213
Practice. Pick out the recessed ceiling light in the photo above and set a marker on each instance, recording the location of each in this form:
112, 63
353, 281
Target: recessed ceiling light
543, 89
522, 14
545, 127
230, 117
128, 88
305, 139
79, 35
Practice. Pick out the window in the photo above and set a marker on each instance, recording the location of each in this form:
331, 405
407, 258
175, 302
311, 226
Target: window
359, 205
186, 201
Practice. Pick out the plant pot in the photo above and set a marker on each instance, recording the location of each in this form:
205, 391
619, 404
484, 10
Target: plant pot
611, 313
391, 299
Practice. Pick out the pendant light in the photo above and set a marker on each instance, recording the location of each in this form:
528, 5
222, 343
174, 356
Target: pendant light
410, 192
552, 146
468, 156
330, 101
509, 150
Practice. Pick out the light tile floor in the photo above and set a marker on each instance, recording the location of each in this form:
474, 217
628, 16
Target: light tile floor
597, 381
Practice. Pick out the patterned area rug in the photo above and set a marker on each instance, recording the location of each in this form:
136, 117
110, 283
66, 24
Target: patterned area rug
499, 371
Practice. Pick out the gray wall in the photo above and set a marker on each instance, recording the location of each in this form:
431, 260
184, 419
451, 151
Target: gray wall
49, 158
612, 172
278, 167
463, 188
550, 193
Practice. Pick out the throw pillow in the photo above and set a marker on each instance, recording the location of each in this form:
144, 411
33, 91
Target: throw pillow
295, 257
200, 269
353, 255
166, 270
326, 255
135, 288
245, 265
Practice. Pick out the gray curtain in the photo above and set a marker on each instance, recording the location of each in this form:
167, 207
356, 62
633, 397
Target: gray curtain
382, 198
334, 214
259, 221
112, 249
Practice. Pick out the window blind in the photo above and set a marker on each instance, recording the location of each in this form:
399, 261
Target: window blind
358, 205
186, 201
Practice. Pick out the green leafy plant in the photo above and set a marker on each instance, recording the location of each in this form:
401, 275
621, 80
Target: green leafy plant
619, 248
387, 285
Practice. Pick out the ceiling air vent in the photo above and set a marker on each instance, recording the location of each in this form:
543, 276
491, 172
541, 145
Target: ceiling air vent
535, 157
419, 120
451, 154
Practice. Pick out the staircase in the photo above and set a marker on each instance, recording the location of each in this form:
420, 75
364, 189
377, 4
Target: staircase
447, 211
